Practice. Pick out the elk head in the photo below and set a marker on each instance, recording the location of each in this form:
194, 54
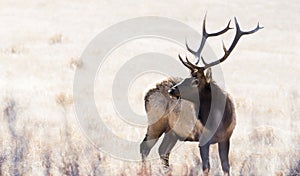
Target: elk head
201, 76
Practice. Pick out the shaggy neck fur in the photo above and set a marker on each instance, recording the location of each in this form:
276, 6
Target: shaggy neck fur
204, 105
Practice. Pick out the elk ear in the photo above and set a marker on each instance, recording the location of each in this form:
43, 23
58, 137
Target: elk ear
208, 75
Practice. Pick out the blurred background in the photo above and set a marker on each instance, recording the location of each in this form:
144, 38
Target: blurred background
40, 49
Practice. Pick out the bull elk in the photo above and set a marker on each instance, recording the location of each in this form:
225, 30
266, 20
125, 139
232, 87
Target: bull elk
167, 107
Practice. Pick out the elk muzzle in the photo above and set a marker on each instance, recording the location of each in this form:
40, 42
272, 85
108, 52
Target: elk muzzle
174, 92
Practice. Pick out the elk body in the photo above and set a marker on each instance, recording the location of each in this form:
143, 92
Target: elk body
212, 106
174, 117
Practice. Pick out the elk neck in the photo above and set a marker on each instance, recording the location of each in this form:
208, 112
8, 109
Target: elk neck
204, 103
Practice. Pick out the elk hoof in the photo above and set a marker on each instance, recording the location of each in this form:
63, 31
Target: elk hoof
226, 174
167, 171
205, 172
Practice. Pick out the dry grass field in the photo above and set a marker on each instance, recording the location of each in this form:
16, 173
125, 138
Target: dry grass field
40, 49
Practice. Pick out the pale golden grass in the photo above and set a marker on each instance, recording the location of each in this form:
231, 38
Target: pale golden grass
75, 62
40, 134
56, 38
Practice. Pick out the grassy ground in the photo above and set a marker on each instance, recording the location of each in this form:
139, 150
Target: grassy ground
41, 43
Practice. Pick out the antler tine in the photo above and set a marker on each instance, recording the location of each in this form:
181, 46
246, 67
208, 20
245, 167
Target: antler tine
194, 66
185, 63
254, 30
238, 35
187, 60
202, 59
188, 64
205, 35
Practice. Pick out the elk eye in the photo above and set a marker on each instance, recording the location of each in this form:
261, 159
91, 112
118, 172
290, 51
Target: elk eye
195, 82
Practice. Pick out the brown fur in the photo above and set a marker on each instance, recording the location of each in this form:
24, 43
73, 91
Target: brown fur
228, 122
165, 113
177, 117
211, 103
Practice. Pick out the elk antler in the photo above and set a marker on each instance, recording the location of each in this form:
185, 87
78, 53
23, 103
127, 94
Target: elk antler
189, 65
238, 35
205, 35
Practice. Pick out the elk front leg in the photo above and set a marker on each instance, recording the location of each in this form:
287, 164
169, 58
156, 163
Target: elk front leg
204, 153
166, 146
223, 153
154, 131
146, 146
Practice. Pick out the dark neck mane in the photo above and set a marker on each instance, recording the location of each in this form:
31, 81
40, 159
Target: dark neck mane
211, 92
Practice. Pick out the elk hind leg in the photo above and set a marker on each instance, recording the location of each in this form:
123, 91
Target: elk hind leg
204, 153
223, 153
